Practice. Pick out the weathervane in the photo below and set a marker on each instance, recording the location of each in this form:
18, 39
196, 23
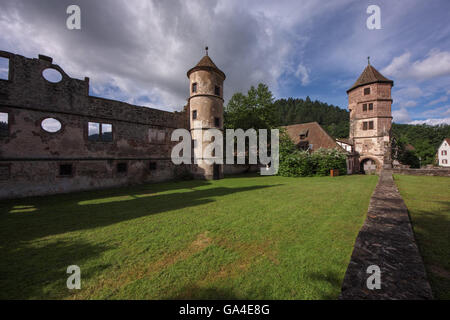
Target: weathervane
368, 60
206, 48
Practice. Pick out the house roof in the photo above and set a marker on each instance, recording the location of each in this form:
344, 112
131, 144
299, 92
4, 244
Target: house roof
206, 63
368, 76
317, 136
345, 140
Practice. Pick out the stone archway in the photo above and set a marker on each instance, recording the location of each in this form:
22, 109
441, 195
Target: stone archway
369, 165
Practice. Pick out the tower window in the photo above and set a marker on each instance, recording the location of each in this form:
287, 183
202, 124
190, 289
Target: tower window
152, 166
365, 107
65, 170
194, 114
122, 167
370, 125
366, 91
4, 124
217, 122
365, 125
370, 106
217, 90
194, 87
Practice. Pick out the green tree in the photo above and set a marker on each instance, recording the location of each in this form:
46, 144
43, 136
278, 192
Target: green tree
254, 110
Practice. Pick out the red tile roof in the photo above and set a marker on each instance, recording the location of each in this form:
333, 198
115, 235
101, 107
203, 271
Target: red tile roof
368, 76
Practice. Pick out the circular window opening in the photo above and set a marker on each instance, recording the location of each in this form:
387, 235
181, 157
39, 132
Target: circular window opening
52, 75
51, 125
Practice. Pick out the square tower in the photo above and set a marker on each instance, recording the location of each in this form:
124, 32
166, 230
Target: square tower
369, 103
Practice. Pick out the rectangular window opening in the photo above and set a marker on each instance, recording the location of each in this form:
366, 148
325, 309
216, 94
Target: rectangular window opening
4, 68
106, 132
217, 122
152, 166
100, 132
365, 125
370, 125
122, 167
65, 170
365, 107
217, 90
194, 114
4, 124
370, 106
194, 87
366, 91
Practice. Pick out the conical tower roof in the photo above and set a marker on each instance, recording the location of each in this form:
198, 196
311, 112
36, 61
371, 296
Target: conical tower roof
368, 76
206, 63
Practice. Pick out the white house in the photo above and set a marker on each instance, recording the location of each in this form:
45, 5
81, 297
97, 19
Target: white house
444, 153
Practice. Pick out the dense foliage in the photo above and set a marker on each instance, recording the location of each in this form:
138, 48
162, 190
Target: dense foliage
424, 138
332, 118
296, 163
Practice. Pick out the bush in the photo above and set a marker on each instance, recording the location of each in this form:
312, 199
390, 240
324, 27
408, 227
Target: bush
320, 162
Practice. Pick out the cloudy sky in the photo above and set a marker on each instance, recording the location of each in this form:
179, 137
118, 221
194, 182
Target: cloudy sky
138, 51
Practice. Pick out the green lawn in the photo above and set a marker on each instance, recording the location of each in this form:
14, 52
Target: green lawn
246, 237
428, 202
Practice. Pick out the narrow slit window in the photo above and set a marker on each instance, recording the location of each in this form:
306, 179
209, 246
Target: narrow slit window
194, 114
4, 124
4, 68
217, 91
194, 87
370, 125
370, 106
217, 122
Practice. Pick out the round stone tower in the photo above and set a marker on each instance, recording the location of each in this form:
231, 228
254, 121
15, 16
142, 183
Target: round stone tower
205, 112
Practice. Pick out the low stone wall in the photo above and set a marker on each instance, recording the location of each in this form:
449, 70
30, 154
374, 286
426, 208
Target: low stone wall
441, 172
387, 241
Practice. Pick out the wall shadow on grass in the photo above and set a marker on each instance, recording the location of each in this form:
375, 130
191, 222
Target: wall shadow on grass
70, 216
40, 272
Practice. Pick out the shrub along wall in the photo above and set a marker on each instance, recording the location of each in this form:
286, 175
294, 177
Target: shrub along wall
319, 163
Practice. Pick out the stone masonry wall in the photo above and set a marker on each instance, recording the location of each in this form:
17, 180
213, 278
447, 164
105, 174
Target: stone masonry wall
387, 241
30, 156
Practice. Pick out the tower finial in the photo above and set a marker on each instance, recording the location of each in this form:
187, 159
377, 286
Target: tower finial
368, 60
206, 49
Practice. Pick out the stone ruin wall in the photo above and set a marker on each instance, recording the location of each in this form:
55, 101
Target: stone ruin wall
30, 157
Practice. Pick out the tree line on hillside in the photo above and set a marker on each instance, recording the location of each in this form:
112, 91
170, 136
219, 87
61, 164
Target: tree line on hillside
259, 109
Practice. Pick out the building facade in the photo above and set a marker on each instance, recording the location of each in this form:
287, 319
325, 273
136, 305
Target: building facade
369, 103
55, 137
444, 153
